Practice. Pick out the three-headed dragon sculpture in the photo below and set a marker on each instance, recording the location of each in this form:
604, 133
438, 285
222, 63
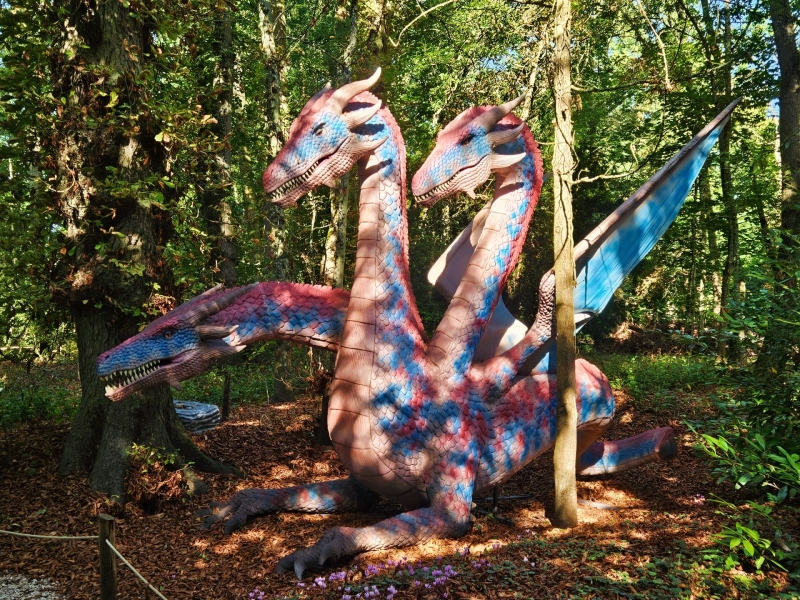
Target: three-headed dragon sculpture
426, 423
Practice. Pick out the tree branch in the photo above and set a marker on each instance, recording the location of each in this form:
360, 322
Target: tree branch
417, 18
667, 84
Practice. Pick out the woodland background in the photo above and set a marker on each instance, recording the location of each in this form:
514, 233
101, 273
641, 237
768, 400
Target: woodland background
135, 134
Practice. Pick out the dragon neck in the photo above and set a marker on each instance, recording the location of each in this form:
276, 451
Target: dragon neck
382, 313
516, 193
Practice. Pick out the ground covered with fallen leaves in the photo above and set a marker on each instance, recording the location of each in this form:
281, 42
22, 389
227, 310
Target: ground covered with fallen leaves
650, 546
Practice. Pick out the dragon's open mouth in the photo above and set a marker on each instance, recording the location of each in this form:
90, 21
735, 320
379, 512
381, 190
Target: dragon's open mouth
293, 183
124, 377
434, 193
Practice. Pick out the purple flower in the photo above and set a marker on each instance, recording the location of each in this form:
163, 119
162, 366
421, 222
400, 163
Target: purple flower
320, 581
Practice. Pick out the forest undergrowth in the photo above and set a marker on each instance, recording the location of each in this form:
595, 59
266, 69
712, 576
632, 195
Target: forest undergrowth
669, 535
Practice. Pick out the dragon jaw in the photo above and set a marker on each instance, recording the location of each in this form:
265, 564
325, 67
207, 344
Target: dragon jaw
332, 132
172, 348
476, 143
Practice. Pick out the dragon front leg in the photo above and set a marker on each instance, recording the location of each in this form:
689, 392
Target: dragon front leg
340, 495
447, 516
620, 455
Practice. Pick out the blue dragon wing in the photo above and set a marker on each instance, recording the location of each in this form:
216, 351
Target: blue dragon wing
611, 251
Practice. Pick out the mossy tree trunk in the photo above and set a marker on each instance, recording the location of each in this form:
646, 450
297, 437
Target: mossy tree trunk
107, 161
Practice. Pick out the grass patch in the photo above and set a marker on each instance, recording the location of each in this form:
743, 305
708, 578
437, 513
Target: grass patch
49, 392
656, 378
252, 382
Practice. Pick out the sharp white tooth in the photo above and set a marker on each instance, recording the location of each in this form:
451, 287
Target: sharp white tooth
109, 389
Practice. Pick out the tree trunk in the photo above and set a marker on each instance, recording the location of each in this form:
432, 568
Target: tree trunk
784, 30
564, 455
776, 348
272, 27
215, 195
730, 273
108, 275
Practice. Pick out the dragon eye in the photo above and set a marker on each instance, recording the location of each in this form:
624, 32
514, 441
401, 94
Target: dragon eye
467, 139
168, 334
319, 128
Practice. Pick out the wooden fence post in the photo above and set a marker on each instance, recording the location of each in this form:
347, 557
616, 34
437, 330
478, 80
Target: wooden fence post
108, 565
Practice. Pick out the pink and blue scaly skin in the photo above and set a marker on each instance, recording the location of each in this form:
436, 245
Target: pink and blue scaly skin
217, 323
381, 374
520, 410
395, 429
609, 253
390, 423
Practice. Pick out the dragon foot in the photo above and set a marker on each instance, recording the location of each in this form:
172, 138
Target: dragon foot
400, 531
239, 507
617, 456
334, 544
340, 495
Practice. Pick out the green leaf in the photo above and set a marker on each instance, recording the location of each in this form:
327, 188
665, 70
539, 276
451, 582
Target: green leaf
748, 548
114, 100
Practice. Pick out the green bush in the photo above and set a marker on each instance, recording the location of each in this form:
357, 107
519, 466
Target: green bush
655, 376
44, 393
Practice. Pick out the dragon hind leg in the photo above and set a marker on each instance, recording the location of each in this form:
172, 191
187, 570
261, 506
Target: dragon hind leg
620, 455
450, 496
340, 495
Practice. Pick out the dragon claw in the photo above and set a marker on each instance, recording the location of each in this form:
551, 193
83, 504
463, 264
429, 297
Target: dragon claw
334, 544
238, 507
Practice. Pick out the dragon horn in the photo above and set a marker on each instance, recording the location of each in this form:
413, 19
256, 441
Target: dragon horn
344, 94
354, 118
203, 310
492, 116
496, 138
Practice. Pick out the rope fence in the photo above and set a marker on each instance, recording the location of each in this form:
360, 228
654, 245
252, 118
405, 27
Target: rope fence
135, 572
108, 552
51, 537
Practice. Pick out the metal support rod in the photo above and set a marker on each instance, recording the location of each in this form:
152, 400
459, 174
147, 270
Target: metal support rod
226, 396
108, 565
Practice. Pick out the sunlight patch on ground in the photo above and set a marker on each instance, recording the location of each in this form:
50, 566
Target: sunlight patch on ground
280, 472
228, 547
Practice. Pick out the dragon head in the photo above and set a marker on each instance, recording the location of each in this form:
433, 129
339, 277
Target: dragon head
326, 139
467, 151
172, 348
